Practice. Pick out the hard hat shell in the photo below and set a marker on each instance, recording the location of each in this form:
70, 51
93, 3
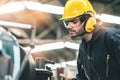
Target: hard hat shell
74, 8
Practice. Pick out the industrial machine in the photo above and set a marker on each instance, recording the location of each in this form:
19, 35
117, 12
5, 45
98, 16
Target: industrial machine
16, 64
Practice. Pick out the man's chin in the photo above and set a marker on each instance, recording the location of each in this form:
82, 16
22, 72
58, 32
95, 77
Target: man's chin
75, 37
72, 35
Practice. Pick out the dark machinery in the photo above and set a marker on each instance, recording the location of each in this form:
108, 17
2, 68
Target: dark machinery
35, 70
30, 69
43, 72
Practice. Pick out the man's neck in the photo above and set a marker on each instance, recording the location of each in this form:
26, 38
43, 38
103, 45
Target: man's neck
87, 37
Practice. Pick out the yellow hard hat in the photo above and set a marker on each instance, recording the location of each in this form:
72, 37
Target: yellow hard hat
74, 8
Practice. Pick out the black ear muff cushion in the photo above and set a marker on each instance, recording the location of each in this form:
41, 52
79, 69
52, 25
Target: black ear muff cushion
89, 26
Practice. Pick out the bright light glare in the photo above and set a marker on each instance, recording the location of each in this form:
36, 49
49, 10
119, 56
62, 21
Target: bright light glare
63, 64
44, 7
71, 45
11, 7
18, 6
109, 18
53, 46
46, 47
13, 24
53, 9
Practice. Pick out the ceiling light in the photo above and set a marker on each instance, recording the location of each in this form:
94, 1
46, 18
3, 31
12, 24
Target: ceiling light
11, 7
46, 47
63, 64
53, 46
109, 18
18, 6
13, 24
72, 45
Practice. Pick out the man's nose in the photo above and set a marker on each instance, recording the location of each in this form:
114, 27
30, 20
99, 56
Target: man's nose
70, 25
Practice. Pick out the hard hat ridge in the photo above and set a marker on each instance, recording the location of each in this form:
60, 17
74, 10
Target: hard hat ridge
74, 8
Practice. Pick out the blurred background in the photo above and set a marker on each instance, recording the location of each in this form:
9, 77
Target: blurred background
48, 37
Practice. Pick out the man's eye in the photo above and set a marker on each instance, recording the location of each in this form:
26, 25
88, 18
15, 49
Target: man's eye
74, 21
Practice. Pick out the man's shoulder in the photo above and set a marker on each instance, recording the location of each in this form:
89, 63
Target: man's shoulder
112, 33
111, 29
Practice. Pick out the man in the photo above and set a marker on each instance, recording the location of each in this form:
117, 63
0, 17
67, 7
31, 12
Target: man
99, 52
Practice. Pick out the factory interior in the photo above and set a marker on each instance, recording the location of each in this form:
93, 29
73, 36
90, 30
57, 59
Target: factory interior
43, 40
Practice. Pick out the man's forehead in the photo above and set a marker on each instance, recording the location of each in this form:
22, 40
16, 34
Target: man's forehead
72, 18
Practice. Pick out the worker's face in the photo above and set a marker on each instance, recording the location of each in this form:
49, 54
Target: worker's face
74, 26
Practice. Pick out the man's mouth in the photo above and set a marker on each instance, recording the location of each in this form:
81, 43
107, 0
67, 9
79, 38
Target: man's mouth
71, 31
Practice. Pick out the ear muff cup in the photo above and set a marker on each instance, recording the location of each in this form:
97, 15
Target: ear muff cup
89, 25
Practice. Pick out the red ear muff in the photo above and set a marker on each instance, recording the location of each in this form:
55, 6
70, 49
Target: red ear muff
89, 26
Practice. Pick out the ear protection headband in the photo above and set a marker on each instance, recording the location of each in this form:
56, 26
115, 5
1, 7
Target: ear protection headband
89, 24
